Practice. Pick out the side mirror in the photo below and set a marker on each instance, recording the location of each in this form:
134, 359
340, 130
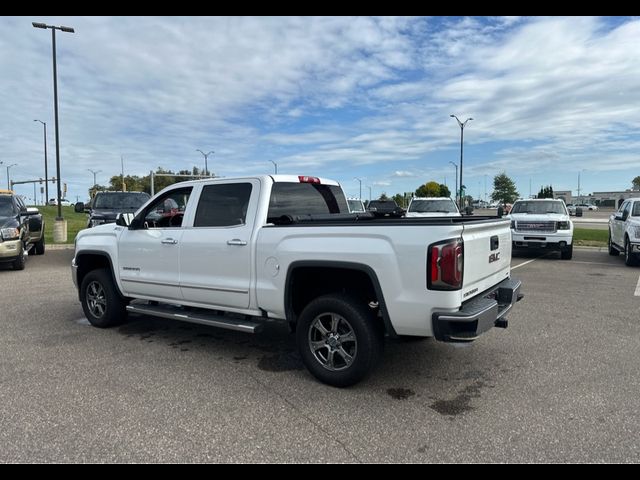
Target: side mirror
78, 207
500, 212
578, 211
124, 219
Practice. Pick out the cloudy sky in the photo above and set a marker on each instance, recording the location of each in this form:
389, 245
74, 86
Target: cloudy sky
338, 97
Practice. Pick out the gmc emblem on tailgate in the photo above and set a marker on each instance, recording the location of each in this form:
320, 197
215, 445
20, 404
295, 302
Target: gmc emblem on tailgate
494, 257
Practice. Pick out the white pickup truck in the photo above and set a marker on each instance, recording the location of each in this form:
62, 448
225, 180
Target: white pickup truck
624, 231
233, 253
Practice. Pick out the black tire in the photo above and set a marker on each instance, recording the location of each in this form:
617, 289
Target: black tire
101, 302
630, 258
339, 340
567, 253
39, 247
20, 262
613, 251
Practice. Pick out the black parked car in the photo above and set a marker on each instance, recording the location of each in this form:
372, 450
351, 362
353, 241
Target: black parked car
385, 208
105, 206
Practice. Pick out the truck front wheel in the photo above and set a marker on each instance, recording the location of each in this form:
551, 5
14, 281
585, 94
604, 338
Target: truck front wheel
101, 302
338, 339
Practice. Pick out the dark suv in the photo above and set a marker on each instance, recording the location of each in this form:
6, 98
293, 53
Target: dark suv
105, 206
385, 208
21, 230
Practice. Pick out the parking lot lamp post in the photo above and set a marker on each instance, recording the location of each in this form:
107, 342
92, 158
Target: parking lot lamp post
46, 173
275, 165
369, 187
456, 165
462, 125
206, 155
95, 172
360, 182
8, 182
55, 107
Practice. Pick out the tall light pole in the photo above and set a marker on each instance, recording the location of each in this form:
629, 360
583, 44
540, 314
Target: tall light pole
46, 173
462, 125
206, 155
579, 196
275, 166
369, 187
360, 182
95, 172
8, 182
456, 165
55, 107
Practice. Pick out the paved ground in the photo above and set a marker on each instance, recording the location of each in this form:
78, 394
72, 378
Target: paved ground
559, 385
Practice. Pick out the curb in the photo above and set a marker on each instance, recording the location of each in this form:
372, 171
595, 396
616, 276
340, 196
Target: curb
60, 246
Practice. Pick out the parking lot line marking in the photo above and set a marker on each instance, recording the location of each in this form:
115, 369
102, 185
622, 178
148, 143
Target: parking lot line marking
637, 293
524, 263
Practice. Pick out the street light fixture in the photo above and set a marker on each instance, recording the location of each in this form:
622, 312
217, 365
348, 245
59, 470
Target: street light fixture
95, 172
360, 182
275, 165
55, 106
8, 182
456, 165
206, 155
462, 125
46, 173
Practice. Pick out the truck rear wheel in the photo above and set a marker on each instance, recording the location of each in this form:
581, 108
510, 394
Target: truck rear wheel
338, 339
101, 302
39, 246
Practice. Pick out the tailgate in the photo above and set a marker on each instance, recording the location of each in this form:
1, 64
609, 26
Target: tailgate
487, 255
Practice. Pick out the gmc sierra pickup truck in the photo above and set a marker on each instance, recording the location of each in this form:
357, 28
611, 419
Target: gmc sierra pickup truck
233, 253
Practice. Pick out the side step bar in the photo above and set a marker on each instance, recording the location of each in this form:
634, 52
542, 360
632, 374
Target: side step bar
196, 316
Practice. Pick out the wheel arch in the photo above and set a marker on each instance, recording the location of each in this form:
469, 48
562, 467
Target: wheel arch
89, 260
307, 279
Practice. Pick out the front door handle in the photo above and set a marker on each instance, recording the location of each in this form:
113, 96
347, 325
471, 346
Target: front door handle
236, 241
169, 241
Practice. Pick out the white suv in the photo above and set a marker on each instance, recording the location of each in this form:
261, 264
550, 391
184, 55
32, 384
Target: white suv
542, 223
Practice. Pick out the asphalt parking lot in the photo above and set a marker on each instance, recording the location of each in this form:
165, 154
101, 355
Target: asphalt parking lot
559, 385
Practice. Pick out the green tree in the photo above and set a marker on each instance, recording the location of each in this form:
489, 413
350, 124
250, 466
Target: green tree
635, 183
383, 196
399, 199
504, 189
429, 189
546, 192
444, 191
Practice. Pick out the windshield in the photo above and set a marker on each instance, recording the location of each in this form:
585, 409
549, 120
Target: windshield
539, 207
423, 206
6, 207
114, 201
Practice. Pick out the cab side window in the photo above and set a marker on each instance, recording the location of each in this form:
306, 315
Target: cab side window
223, 205
168, 210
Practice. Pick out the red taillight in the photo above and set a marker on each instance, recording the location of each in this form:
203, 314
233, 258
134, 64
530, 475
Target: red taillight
445, 263
305, 179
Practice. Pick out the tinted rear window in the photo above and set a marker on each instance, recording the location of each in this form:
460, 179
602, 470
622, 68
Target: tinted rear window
120, 200
305, 199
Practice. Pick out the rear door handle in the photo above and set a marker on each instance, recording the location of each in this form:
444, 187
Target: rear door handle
236, 241
169, 241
